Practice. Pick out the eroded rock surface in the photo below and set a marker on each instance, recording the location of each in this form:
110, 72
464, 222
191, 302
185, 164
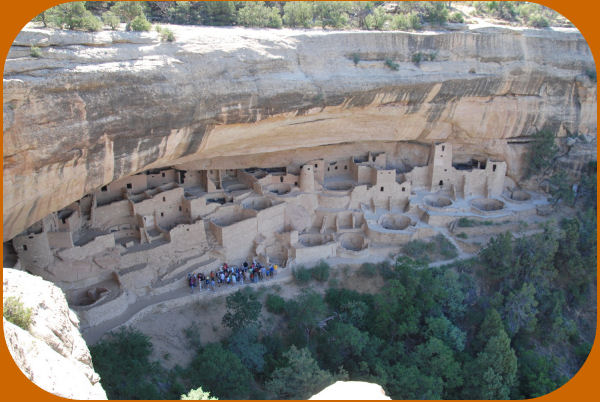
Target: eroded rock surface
52, 352
101, 106
351, 390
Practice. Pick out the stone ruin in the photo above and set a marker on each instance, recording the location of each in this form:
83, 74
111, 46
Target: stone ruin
141, 235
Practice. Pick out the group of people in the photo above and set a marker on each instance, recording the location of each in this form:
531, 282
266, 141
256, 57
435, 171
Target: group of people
231, 275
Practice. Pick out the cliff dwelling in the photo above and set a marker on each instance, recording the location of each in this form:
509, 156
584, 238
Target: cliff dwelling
139, 237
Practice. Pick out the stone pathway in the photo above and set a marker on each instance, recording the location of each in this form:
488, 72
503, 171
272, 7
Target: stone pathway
143, 304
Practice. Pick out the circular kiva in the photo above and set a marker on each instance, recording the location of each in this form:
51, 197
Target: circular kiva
258, 204
339, 186
279, 188
352, 241
438, 201
520, 195
312, 239
487, 204
394, 221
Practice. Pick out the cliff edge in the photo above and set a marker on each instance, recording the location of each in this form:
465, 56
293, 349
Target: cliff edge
52, 353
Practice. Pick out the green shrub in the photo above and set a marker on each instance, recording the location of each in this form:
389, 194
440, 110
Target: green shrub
16, 312
419, 249
538, 21
320, 272
35, 51
355, 58
368, 270
140, 23
542, 152
406, 22
445, 247
416, 58
128, 10
166, 35
332, 13
466, 223
462, 235
111, 19
257, 14
591, 73
91, 23
73, 16
301, 275
298, 13
376, 20
123, 362
456, 17
386, 270
275, 304
391, 65
435, 12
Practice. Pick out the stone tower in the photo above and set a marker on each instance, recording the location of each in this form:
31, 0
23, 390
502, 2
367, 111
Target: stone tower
307, 178
441, 167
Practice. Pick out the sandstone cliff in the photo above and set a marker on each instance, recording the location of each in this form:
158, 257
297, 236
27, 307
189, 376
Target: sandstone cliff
100, 106
52, 353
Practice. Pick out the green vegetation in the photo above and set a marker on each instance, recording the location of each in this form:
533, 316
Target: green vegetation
389, 63
72, 15
139, 23
298, 14
14, 311
214, 368
517, 12
301, 275
35, 51
370, 15
275, 304
300, 378
166, 35
407, 22
542, 152
257, 14
456, 17
469, 223
111, 19
418, 57
377, 19
243, 309
368, 270
591, 74
128, 11
123, 362
355, 58
438, 248
319, 272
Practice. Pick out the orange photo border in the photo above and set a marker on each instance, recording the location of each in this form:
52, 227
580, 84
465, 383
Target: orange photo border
583, 386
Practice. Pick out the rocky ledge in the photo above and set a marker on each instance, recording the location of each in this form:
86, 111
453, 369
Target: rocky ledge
51, 353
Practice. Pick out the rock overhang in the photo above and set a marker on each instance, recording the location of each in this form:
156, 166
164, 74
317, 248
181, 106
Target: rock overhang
99, 107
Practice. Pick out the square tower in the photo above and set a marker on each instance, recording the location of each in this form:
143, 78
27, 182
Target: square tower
441, 166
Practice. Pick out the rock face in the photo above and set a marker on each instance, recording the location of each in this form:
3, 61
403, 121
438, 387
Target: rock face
351, 390
52, 353
97, 107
